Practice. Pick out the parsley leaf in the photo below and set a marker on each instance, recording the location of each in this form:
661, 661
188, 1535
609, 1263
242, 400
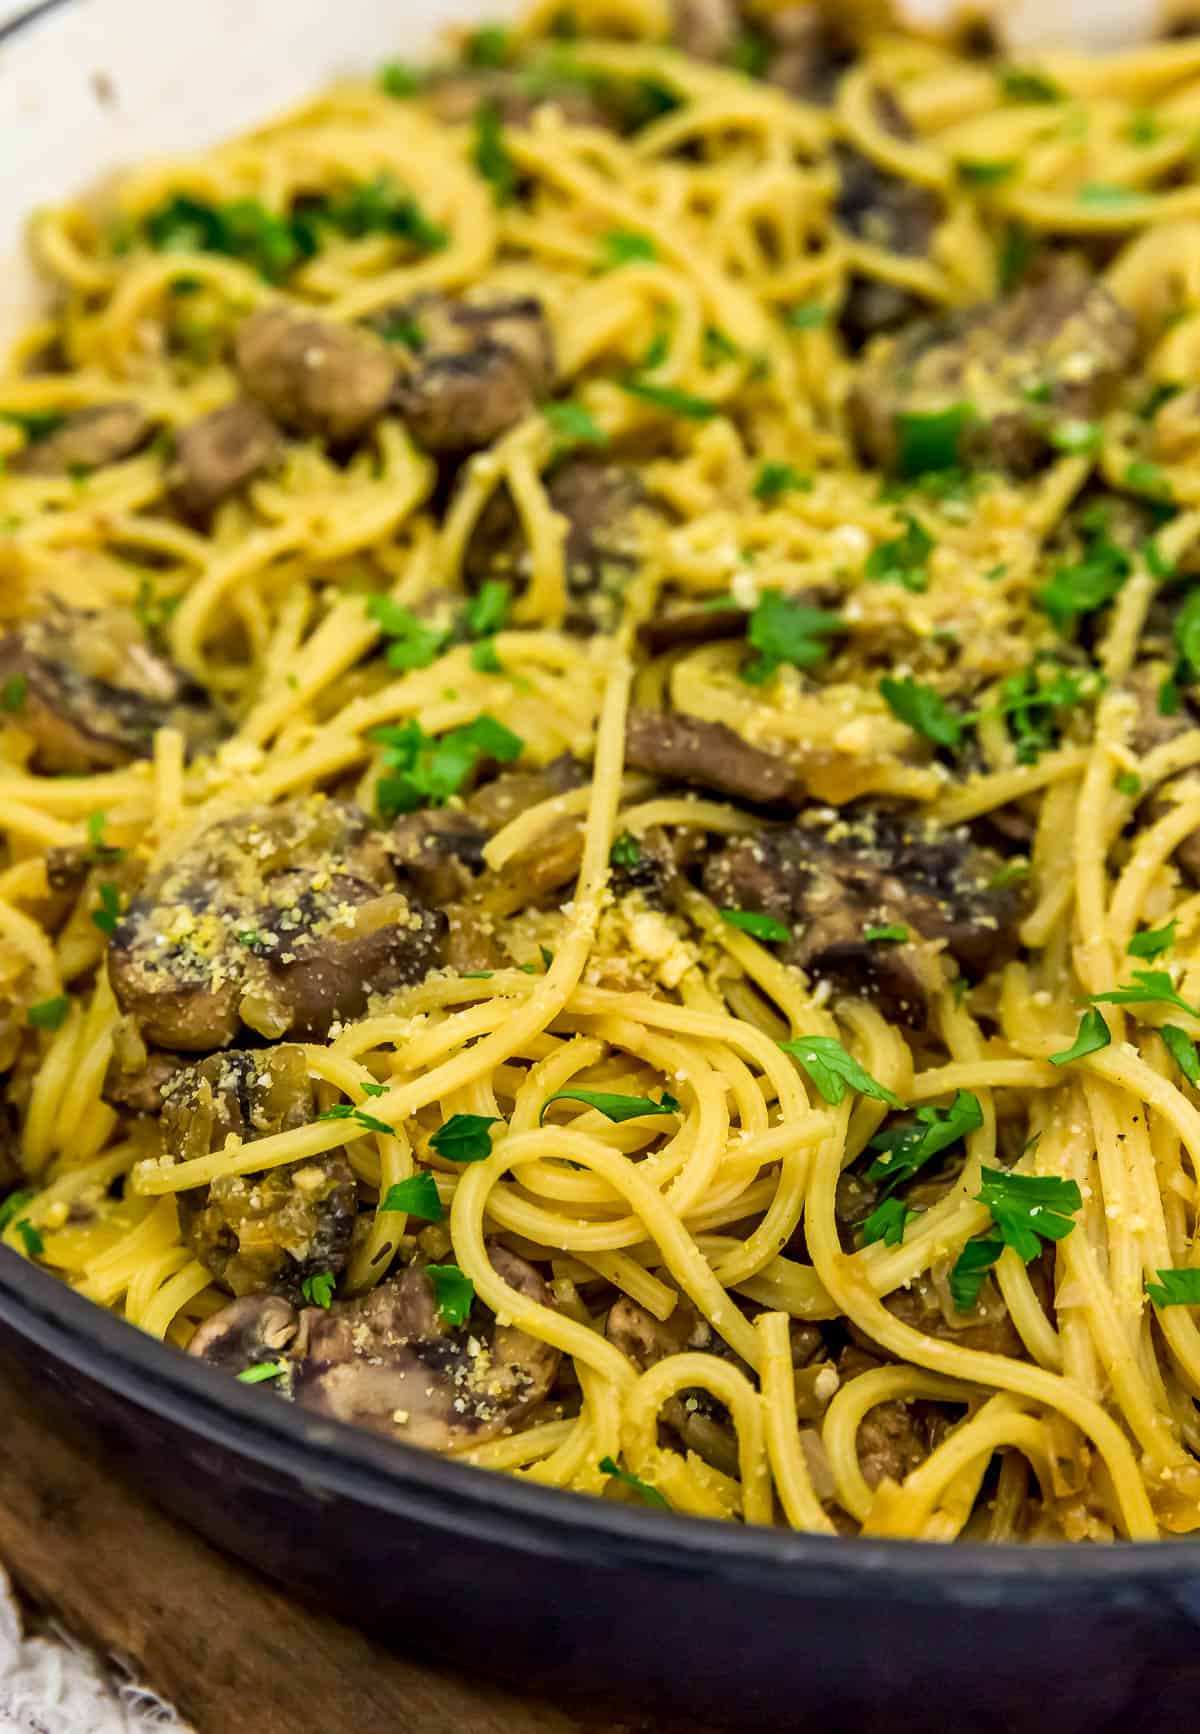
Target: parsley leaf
671, 399
1152, 941
454, 1290
107, 915
49, 1014
1149, 987
774, 480
489, 46
647, 1494
625, 852
782, 630
418, 1195
764, 927
465, 1137
427, 771
904, 560
887, 1222
411, 643
1076, 438
986, 171
487, 610
1146, 478
1182, 1050
1027, 1209
615, 1108
1023, 84
30, 1238
924, 710
807, 316
264, 1370
318, 1289
831, 1068
12, 1207
1175, 1288
1032, 703
903, 1150
99, 851
347, 1111
974, 1261
930, 441
491, 154
573, 426
1086, 585
13, 694
893, 934
1186, 630
625, 246
1094, 1034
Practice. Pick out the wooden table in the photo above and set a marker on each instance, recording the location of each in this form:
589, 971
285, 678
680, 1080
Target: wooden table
229, 1649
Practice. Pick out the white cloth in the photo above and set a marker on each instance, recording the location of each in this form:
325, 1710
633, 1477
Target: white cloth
49, 1685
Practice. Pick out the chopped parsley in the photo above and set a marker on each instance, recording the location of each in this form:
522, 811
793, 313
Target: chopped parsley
1027, 1209
671, 399
366, 1122
774, 480
807, 316
626, 247
98, 851
1146, 478
887, 1222
488, 610
12, 1207
1088, 583
490, 46
264, 1370
1094, 1034
1076, 438
1187, 633
625, 852
318, 1289
1151, 942
904, 560
904, 1150
1143, 127
924, 710
1033, 702
1182, 1050
454, 1291
1149, 987
465, 1137
411, 643
783, 630
764, 927
30, 1238
986, 171
418, 1196
1014, 255
615, 1108
427, 770
49, 1014
13, 694
1128, 783
108, 911
926, 442
573, 426
893, 934
647, 1494
1024, 84
1175, 1288
491, 154
831, 1069
398, 80
1107, 194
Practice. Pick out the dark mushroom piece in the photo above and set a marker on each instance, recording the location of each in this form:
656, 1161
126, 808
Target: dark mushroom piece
1055, 349
803, 50
312, 375
895, 1437
472, 367
247, 1332
457, 95
259, 1232
142, 1090
282, 919
223, 451
87, 440
708, 755
391, 1364
599, 502
92, 691
832, 876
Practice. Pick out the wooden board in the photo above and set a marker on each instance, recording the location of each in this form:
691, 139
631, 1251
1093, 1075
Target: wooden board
230, 1650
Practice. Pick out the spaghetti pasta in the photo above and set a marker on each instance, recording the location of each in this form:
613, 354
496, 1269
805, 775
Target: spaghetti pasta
599, 707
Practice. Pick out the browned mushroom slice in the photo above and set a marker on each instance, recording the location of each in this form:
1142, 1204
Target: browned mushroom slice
141, 1091
1054, 350
282, 919
313, 375
894, 1437
92, 691
706, 29
246, 1333
440, 850
472, 368
599, 503
688, 626
391, 1363
708, 755
86, 441
833, 877
457, 95
800, 48
259, 1232
223, 451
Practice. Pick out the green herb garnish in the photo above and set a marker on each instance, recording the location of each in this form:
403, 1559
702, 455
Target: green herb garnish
427, 771
924, 710
318, 1289
1151, 942
782, 631
1175, 1288
49, 1014
647, 1494
764, 927
418, 1196
894, 934
1182, 1050
615, 1108
465, 1137
264, 1370
930, 441
454, 1291
775, 480
1094, 1034
904, 560
108, 912
831, 1069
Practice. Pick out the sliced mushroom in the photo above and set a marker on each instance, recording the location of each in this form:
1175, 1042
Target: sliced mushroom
87, 440
283, 919
391, 1363
457, 95
1055, 349
832, 876
312, 375
92, 691
472, 369
245, 1333
599, 503
141, 1091
223, 451
258, 1232
708, 755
